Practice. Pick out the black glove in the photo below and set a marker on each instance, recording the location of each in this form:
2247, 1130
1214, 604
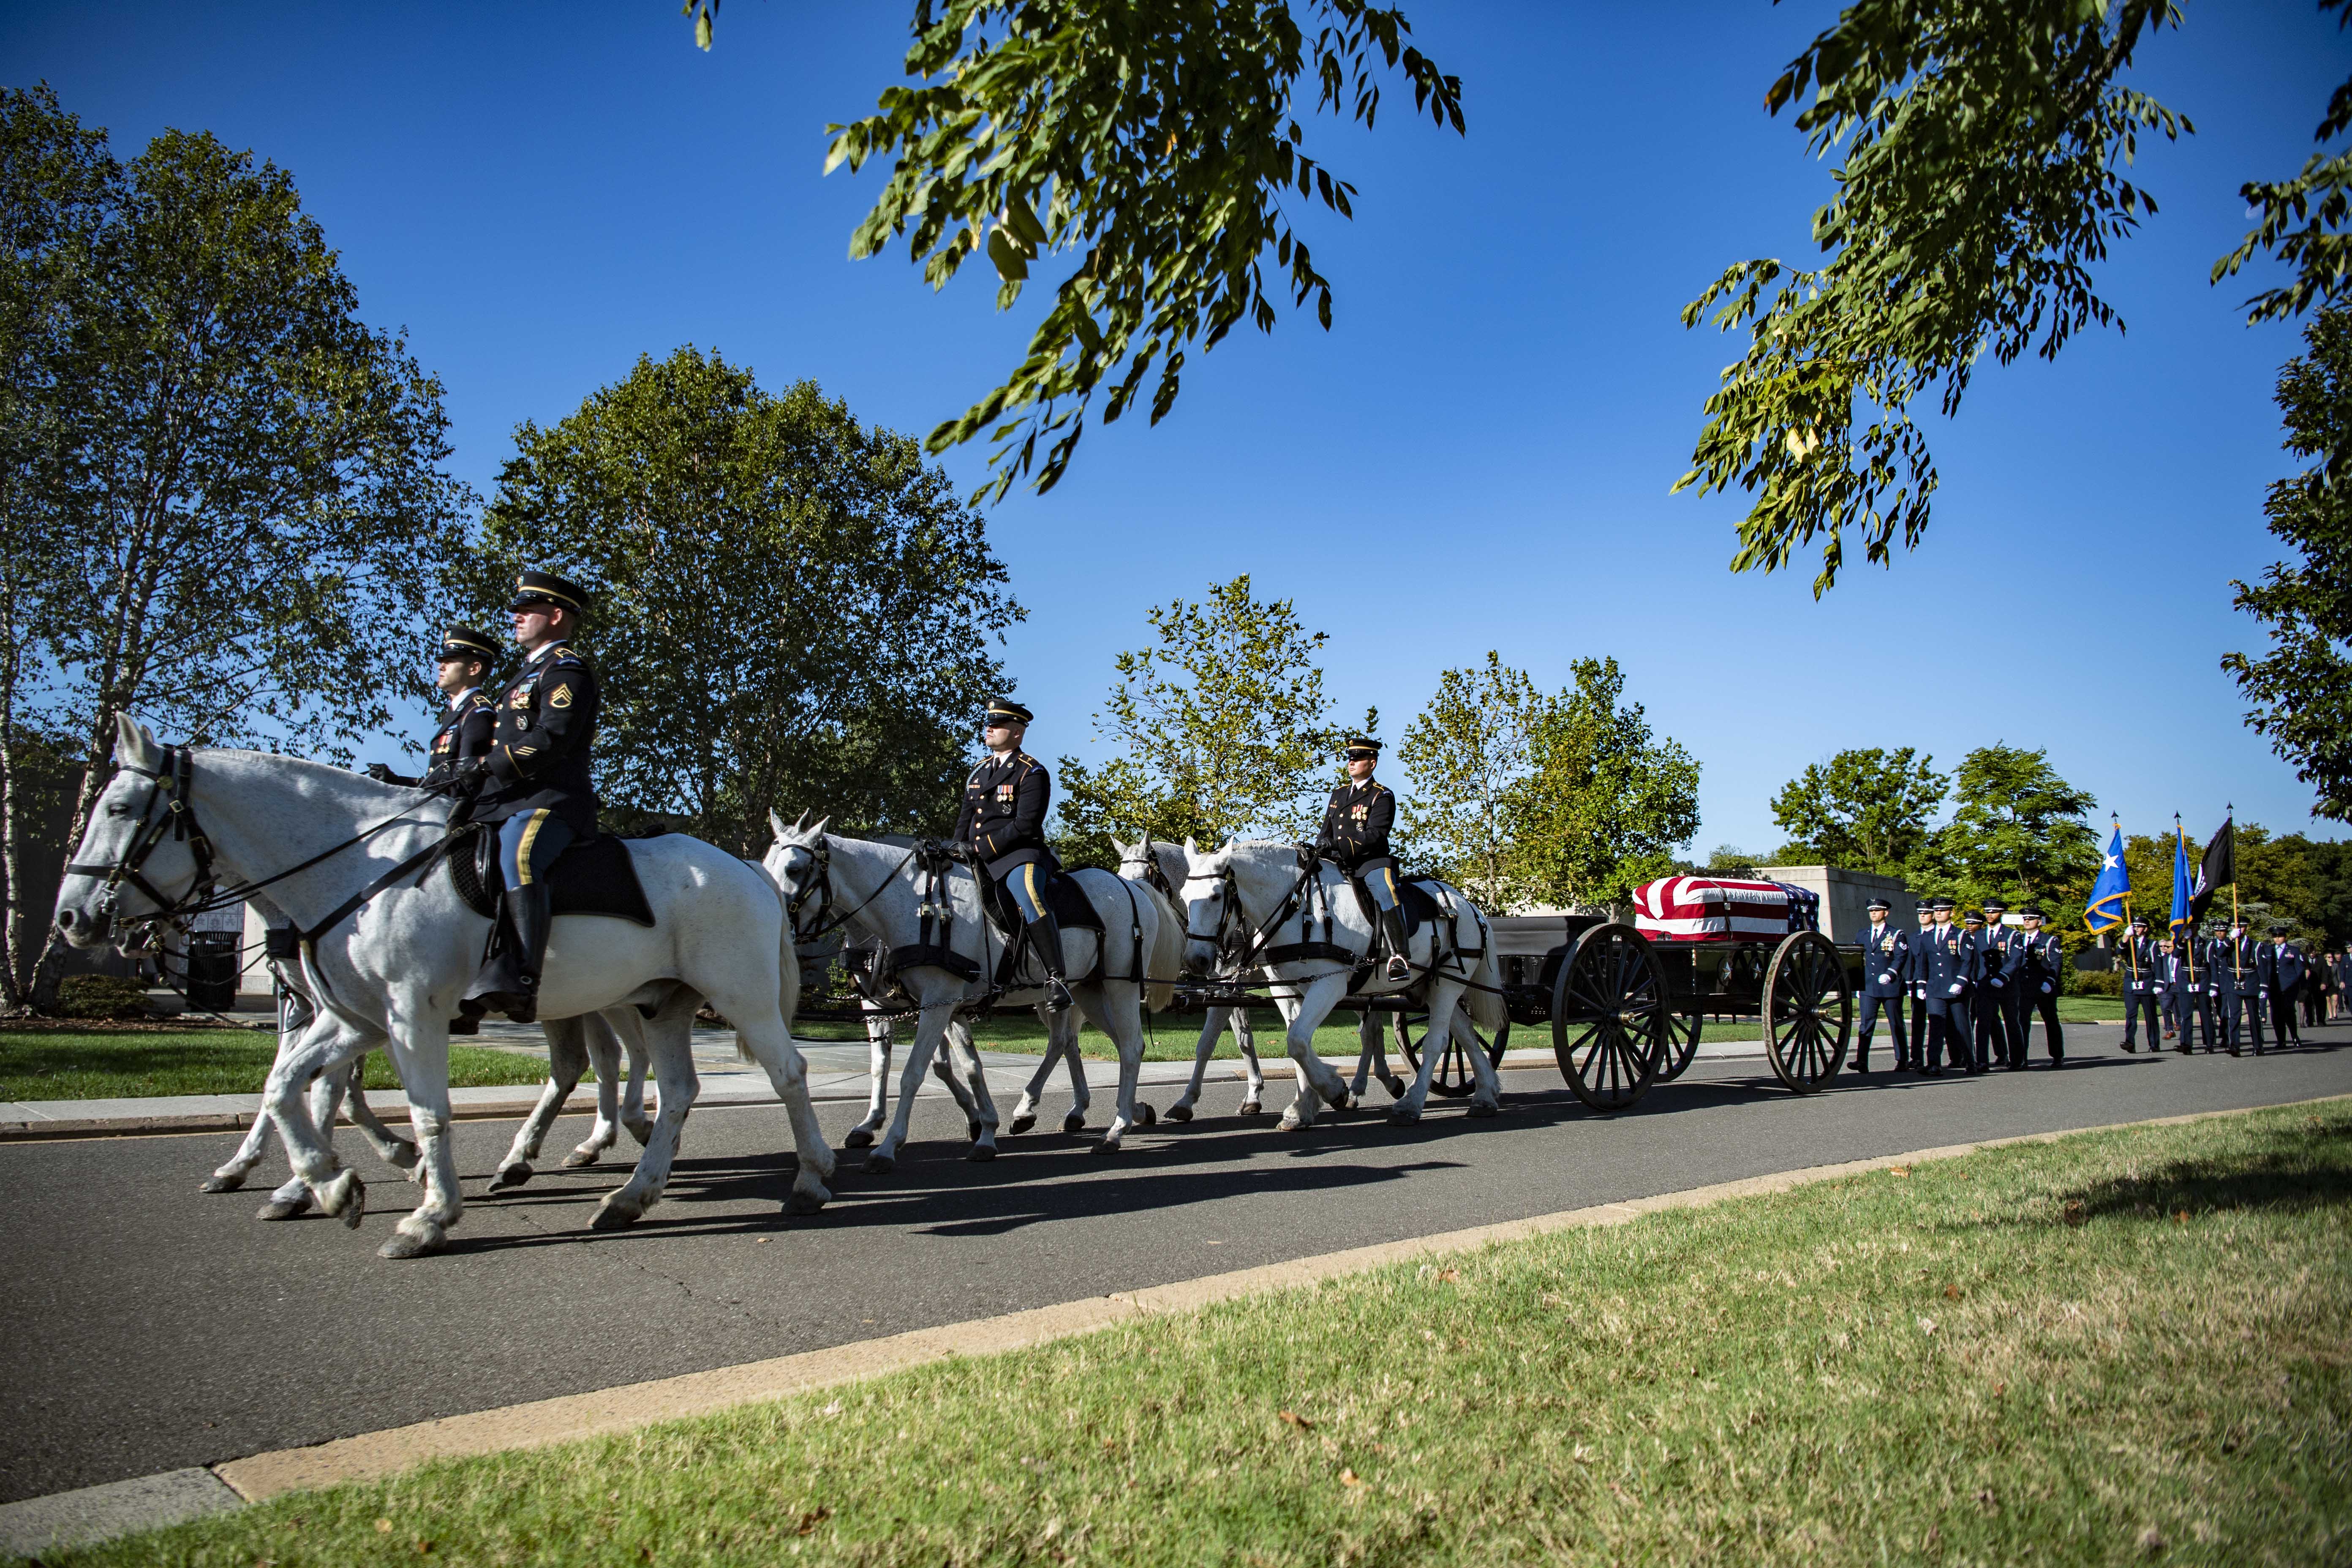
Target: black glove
470, 776
380, 771
1308, 854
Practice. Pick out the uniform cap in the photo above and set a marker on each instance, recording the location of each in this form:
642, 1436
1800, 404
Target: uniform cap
1973, 917
1878, 904
2139, 923
547, 588
1361, 746
465, 642
1006, 709
1941, 904
1995, 907
2034, 911
2281, 929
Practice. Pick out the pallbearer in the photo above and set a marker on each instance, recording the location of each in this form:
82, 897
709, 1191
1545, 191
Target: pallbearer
2140, 995
1885, 966
1946, 966
1916, 946
2037, 987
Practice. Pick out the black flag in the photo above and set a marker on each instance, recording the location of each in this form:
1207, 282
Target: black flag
2217, 870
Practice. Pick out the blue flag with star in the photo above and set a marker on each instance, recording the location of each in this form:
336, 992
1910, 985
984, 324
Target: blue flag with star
2110, 892
2182, 914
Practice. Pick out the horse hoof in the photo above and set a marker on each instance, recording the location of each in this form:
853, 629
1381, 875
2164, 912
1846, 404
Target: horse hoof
216, 1183
509, 1178
1347, 1102
805, 1201
1179, 1114
612, 1215
581, 1157
972, 1131
345, 1198
1481, 1110
1394, 1085
403, 1155
879, 1164
862, 1138
1251, 1107
1403, 1115
1145, 1116
280, 1208
1107, 1146
403, 1245
1022, 1124
981, 1153
1290, 1123
1076, 1122
643, 1131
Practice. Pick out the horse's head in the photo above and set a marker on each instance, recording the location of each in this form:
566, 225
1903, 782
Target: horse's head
797, 862
1207, 894
129, 850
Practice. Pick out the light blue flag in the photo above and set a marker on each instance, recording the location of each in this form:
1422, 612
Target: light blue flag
2111, 890
2180, 880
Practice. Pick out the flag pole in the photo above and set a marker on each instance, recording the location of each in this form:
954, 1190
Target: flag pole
2183, 838
2237, 969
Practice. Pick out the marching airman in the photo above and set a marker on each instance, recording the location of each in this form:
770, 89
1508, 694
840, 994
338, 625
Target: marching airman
1885, 970
1996, 1006
2037, 987
1948, 965
2140, 957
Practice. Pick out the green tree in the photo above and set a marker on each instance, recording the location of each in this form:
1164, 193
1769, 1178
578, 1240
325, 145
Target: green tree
248, 518
58, 186
1155, 138
793, 610
1864, 809
1221, 727
2302, 688
1605, 802
2019, 834
1466, 752
1985, 145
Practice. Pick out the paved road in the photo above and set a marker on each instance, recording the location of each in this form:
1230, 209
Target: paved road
149, 1327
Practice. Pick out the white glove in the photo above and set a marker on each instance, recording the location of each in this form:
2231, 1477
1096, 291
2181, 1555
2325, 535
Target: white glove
1997, 982
1957, 988
1887, 978
2045, 987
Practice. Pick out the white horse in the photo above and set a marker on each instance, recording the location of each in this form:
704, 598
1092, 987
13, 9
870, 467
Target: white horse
390, 955
874, 889
1260, 884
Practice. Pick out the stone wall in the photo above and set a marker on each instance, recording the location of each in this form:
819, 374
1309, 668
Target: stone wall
1844, 896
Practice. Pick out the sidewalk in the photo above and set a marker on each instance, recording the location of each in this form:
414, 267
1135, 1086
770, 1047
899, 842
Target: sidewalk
836, 1072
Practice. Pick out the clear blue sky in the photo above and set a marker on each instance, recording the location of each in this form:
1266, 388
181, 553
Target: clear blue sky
1477, 457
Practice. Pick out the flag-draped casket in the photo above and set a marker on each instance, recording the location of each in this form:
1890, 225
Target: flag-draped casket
1718, 909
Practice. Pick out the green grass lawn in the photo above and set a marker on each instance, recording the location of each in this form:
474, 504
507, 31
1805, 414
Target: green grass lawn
2121, 1347
41, 1064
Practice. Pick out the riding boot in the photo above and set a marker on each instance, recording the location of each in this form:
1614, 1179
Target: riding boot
509, 983
1400, 969
1045, 936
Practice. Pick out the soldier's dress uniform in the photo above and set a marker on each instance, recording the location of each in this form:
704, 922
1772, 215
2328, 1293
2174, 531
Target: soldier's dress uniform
1357, 822
2285, 979
1885, 979
1001, 829
2235, 962
2185, 986
538, 789
1917, 987
1989, 1007
467, 719
2043, 962
2140, 993
1947, 964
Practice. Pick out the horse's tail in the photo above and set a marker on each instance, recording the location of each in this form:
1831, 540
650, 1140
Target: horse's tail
1484, 996
1167, 953
787, 966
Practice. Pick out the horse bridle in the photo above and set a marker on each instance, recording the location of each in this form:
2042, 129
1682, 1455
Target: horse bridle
823, 883
176, 817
